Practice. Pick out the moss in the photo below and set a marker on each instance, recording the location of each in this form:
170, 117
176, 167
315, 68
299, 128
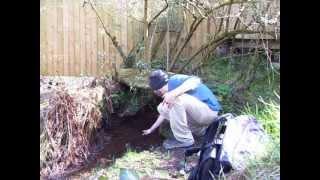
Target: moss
222, 76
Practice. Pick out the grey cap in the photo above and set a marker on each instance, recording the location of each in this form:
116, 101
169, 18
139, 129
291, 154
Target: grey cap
157, 79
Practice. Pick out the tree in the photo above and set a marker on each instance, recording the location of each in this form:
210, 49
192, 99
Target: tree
252, 16
131, 55
201, 10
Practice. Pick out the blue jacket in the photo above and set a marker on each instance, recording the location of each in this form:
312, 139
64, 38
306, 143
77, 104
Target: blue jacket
202, 92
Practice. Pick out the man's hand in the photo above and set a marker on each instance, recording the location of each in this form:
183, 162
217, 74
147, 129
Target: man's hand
146, 132
169, 99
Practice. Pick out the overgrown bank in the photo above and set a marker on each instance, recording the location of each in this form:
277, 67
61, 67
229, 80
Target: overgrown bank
250, 85
261, 99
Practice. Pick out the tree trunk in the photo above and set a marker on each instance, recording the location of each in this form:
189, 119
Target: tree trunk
145, 32
155, 49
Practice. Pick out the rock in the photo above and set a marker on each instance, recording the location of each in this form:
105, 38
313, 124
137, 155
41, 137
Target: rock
128, 174
134, 78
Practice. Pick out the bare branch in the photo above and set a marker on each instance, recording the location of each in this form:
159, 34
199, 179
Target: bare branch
186, 7
151, 41
229, 11
238, 20
168, 43
177, 40
216, 42
145, 30
113, 38
199, 9
159, 13
185, 43
220, 28
155, 49
224, 4
132, 17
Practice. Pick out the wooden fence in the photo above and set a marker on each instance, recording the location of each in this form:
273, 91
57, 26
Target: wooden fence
73, 43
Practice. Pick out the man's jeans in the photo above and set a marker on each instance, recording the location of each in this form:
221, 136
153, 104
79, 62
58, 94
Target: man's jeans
186, 116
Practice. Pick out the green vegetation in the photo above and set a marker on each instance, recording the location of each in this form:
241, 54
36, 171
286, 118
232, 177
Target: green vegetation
130, 100
266, 168
145, 164
224, 76
260, 98
140, 163
269, 116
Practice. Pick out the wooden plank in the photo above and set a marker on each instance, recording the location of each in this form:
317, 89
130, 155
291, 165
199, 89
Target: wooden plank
100, 44
48, 30
60, 43
86, 21
249, 44
47, 27
71, 38
129, 35
253, 36
55, 38
117, 35
99, 50
90, 19
94, 44
133, 31
43, 39
76, 34
202, 34
66, 27
112, 55
103, 42
82, 44
124, 26
98, 41
106, 45
87, 44
208, 22
49, 20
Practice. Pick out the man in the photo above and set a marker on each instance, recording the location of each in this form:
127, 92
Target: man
188, 105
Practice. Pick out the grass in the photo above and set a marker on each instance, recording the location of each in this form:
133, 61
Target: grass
220, 72
269, 116
263, 102
148, 163
141, 164
144, 164
267, 167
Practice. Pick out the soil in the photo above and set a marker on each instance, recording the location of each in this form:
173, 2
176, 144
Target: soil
124, 133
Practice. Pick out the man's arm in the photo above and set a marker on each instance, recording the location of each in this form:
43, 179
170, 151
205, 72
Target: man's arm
187, 85
154, 126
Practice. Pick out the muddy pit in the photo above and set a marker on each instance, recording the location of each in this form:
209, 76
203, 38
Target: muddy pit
121, 134
124, 133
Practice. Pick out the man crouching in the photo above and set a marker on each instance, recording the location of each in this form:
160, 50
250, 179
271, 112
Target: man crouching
188, 105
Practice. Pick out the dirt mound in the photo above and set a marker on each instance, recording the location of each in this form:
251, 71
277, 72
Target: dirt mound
71, 114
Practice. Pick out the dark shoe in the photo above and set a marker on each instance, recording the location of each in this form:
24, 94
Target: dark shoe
172, 143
